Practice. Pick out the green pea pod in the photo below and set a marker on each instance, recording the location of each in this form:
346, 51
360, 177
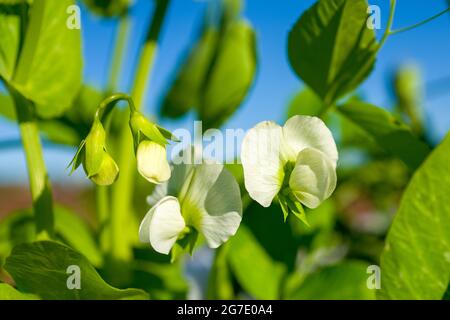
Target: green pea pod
184, 92
230, 76
408, 91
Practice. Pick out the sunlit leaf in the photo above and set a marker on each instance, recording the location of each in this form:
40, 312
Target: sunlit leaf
415, 263
10, 35
391, 135
41, 268
306, 102
252, 266
220, 284
345, 281
19, 228
9, 293
49, 68
331, 49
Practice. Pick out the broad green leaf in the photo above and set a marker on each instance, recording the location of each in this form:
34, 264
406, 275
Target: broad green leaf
10, 34
41, 268
415, 263
230, 76
272, 233
254, 269
19, 228
391, 135
10, 293
49, 68
15, 229
7, 108
306, 102
331, 49
186, 89
345, 281
319, 219
75, 232
154, 273
220, 284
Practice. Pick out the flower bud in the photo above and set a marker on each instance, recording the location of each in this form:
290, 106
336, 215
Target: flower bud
98, 165
151, 161
150, 145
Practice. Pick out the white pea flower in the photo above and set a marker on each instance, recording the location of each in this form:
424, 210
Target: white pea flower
198, 200
296, 162
150, 142
152, 162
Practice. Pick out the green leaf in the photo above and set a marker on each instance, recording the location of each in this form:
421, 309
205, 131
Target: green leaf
415, 263
70, 228
252, 266
306, 102
346, 281
391, 135
10, 35
185, 91
230, 76
16, 228
41, 268
331, 49
154, 273
220, 284
75, 232
49, 68
9, 293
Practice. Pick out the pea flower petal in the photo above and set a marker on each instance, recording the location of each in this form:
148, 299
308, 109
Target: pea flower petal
162, 225
301, 132
152, 162
297, 162
263, 166
313, 179
209, 200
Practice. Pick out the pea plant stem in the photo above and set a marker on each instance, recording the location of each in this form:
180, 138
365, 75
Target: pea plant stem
392, 32
37, 173
118, 51
121, 211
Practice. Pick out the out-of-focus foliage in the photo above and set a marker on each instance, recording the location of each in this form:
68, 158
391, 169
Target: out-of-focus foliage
333, 52
251, 265
390, 134
416, 259
109, 8
345, 281
409, 95
19, 228
218, 71
331, 48
8, 292
46, 67
34, 264
306, 102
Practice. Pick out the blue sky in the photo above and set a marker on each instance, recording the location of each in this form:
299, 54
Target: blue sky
428, 47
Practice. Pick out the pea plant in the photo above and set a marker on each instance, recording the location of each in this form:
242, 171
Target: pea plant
291, 218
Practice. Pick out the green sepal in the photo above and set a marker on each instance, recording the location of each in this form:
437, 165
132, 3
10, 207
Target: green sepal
139, 124
284, 207
94, 148
185, 243
78, 158
289, 203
